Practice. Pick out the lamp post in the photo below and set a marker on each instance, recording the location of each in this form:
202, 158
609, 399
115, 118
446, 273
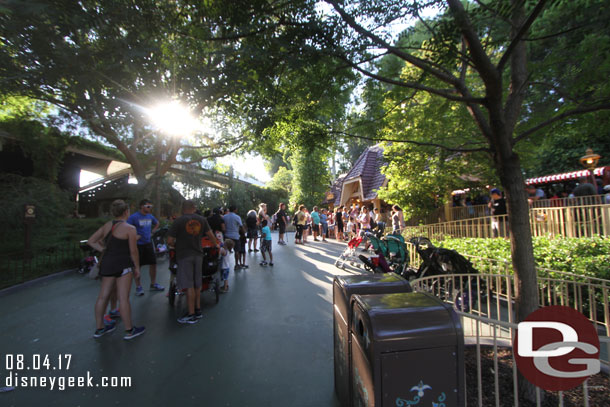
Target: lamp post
589, 161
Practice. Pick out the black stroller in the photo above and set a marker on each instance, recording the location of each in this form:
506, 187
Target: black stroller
437, 261
158, 241
209, 271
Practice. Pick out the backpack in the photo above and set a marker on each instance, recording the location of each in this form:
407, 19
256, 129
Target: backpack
295, 219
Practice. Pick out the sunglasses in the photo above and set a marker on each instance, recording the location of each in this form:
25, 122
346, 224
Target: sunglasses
148, 206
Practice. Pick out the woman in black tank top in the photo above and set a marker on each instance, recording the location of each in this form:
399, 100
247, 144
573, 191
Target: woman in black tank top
118, 242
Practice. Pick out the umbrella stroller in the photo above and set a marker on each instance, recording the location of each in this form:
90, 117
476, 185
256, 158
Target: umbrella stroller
349, 254
438, 261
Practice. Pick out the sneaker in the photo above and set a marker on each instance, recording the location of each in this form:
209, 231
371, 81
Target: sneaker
139, 291
134, 332
156, 287
271, 264
198, 313
105, 330
108, 320
188, 319
249, 250
256, 250
263, 263
115, 313
245, 266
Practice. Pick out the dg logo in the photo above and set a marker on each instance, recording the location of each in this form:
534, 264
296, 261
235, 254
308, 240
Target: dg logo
557, 348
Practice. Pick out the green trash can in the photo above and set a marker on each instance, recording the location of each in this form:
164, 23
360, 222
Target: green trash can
343, 289
407, 349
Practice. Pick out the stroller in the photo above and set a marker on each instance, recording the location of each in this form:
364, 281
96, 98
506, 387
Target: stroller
391, 254
438, 261
209, 271
349, 254
90, 259
158, 240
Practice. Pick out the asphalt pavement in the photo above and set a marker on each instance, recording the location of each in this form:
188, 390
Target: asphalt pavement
268, 342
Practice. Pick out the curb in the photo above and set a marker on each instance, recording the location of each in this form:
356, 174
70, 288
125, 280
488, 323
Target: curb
36, 281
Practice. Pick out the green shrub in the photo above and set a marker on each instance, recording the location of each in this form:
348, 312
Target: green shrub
585, 256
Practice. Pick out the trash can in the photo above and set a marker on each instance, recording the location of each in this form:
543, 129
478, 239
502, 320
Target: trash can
407, 349
343, 288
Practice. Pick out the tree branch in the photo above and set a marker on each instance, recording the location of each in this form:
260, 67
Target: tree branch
573, 112
519, 36
417, 143
447, 94
418, 62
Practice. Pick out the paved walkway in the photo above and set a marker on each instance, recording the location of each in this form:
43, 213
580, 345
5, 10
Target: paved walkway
268, 342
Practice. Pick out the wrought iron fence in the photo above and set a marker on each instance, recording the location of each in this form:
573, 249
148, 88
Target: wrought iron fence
485, 304
17, 268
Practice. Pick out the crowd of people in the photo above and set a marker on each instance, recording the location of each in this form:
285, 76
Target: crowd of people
126, 246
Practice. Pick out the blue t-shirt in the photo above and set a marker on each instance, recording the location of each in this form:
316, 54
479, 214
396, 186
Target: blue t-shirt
266, 233
144, 225
232, 225
323, 218
315, 217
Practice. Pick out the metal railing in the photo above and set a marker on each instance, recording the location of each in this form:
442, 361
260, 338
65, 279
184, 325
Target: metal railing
456, 213
485, 304
17, 268
572, 221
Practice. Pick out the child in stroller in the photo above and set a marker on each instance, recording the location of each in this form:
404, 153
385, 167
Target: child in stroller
211, 255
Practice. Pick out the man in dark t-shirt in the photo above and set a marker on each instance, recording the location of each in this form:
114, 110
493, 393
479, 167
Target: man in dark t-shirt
497, 205
281, 219
185, 235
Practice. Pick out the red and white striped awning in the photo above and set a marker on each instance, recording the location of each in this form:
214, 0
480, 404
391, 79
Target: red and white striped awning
564, 176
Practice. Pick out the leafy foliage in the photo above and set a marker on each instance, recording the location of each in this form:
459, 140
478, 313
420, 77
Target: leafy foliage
585, 256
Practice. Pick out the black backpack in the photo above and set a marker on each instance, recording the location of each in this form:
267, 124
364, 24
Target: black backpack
295, 219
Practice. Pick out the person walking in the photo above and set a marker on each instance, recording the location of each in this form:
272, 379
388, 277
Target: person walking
226, 263
118, 241
315, 223
323, 224
497, 206
281, 219
398, 220
252, 227
185, 235
266, 243
339, 223
301, 220
232, 225
146, 224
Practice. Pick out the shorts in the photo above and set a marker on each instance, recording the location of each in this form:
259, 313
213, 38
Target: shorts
224, 274
118, 274
252, 233
189, 272
240, 247
147, 254
315, 228
282, 227
266, 246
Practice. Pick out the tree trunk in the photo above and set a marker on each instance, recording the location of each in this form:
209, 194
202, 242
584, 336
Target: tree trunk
522, 253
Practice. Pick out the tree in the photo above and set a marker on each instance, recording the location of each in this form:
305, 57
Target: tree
106, 64
282, 179
487, 40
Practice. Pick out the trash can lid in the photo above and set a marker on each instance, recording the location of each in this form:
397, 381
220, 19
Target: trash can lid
405, 321
366, 279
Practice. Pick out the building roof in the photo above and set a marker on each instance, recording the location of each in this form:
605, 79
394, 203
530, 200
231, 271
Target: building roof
367, 168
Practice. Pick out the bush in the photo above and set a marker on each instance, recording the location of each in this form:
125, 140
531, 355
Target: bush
585, 256
53, 225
